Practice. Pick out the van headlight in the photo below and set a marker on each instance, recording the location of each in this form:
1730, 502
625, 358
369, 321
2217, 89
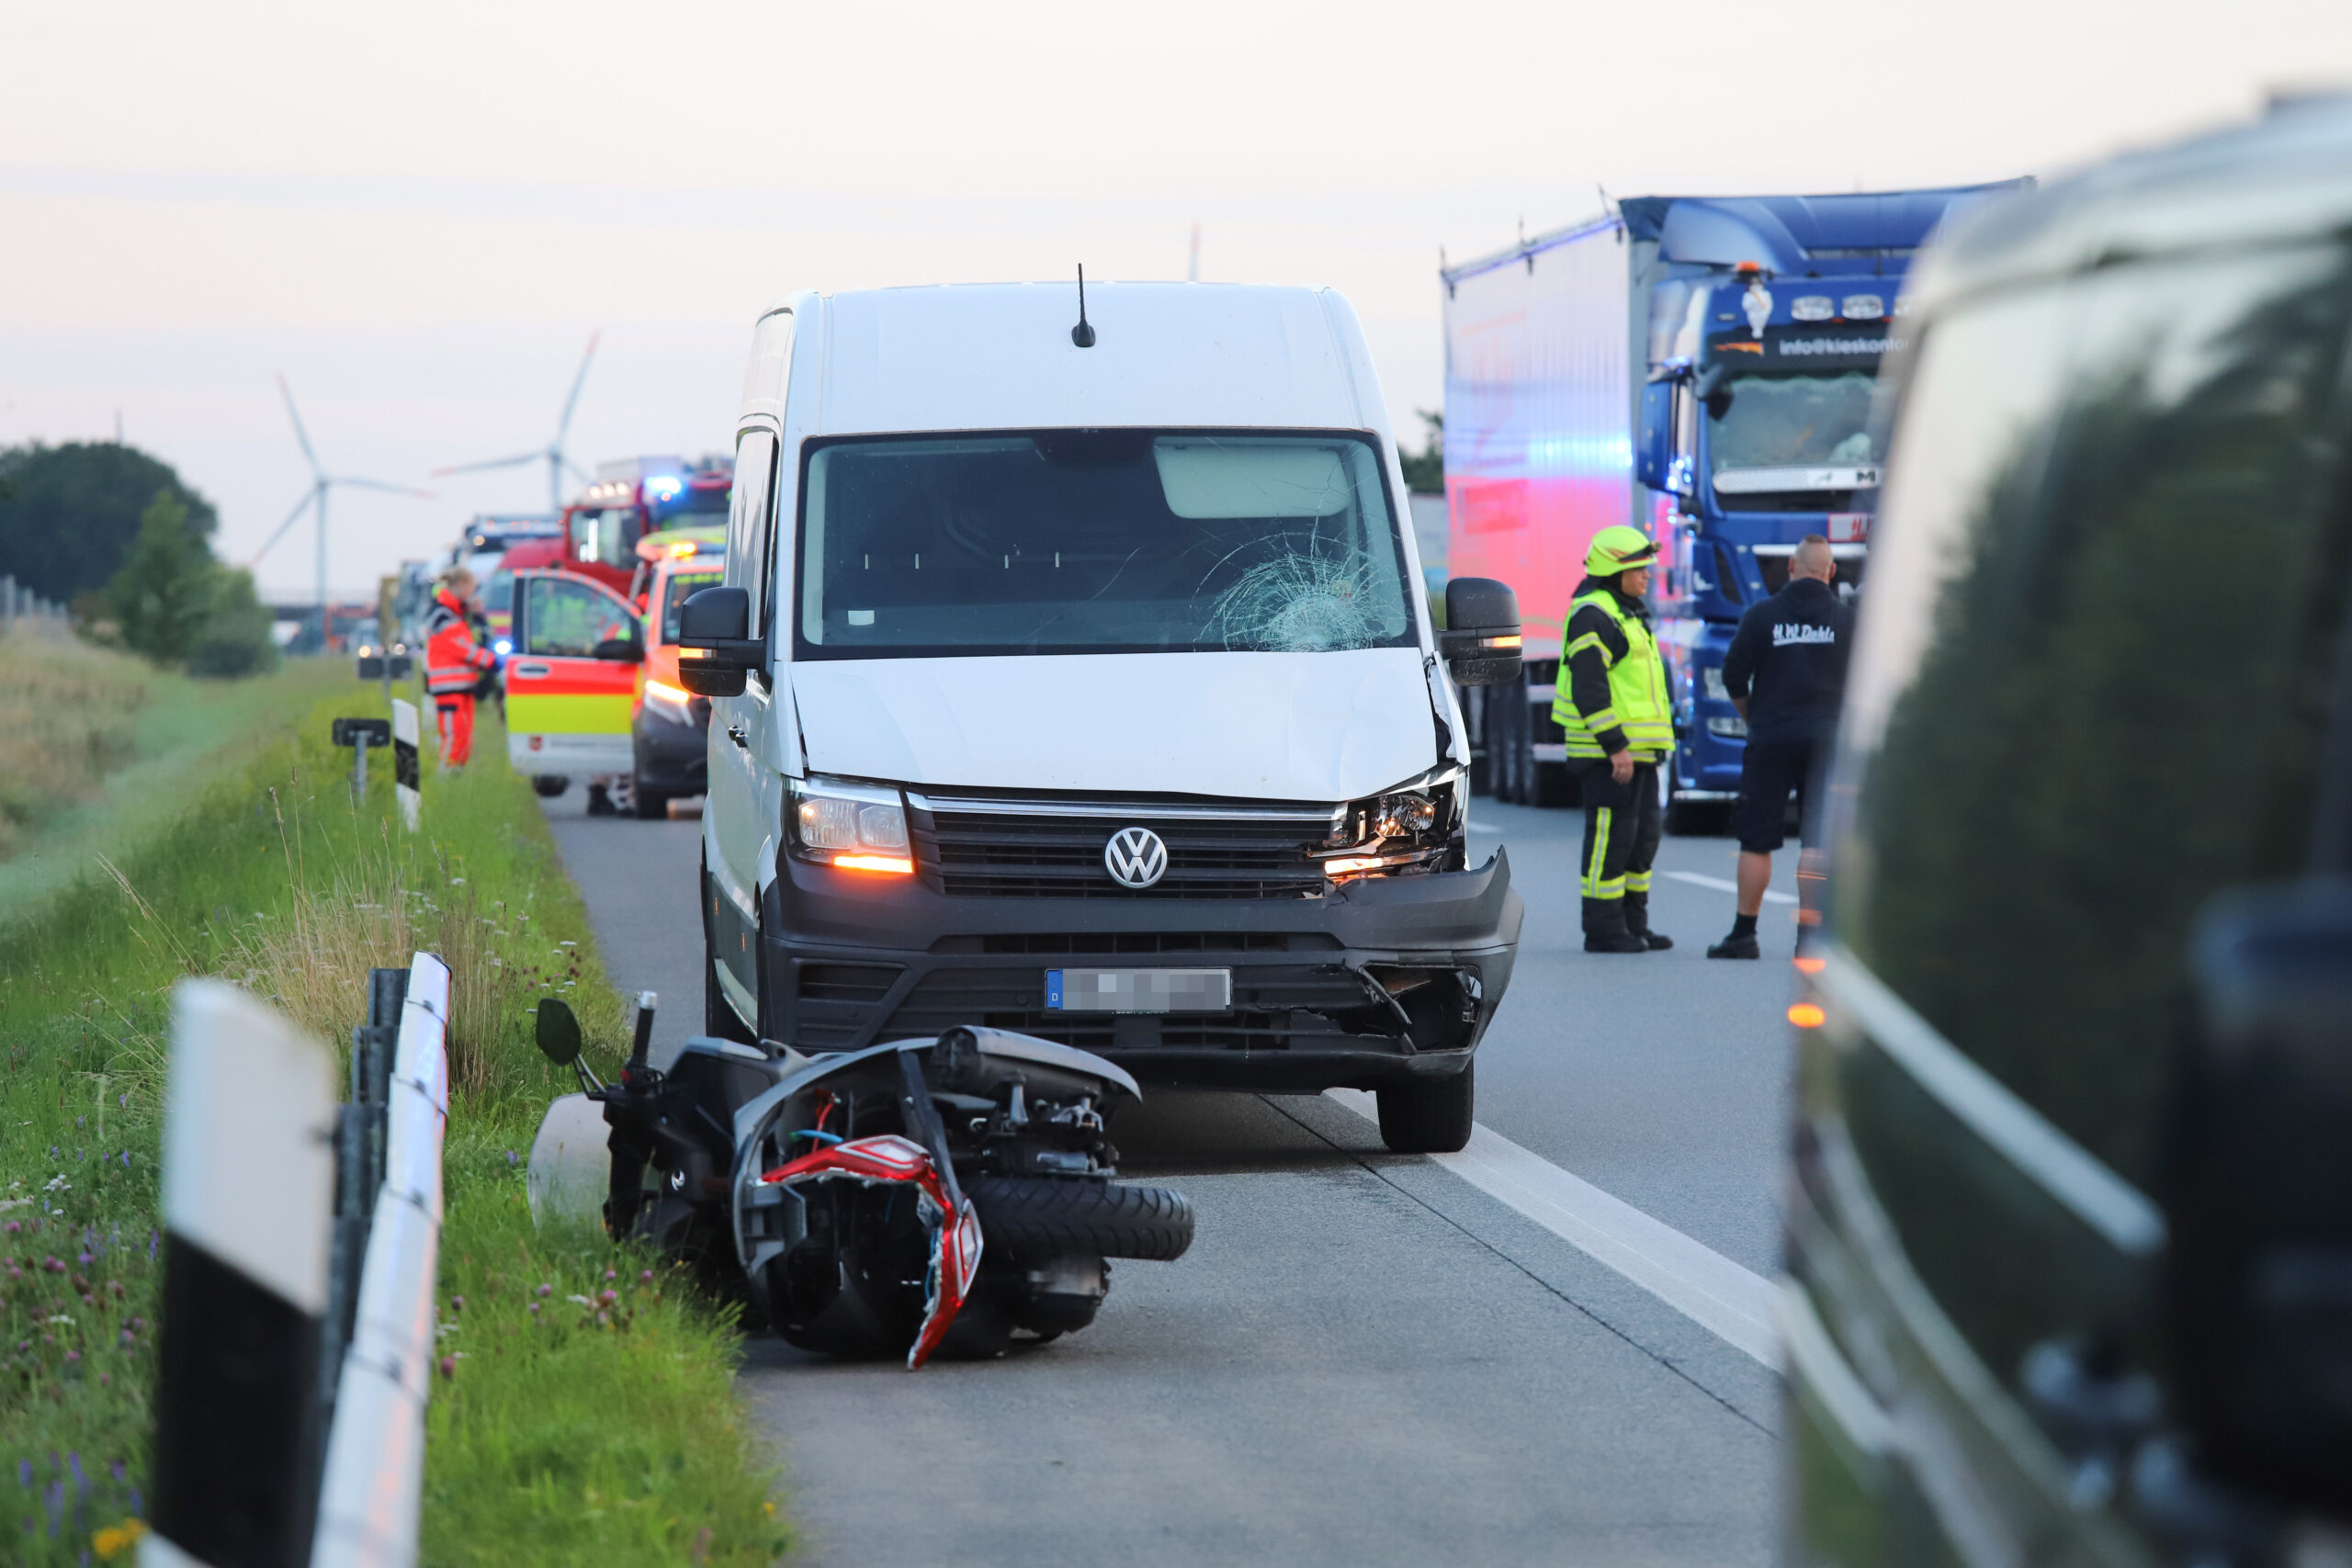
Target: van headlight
852, 827
1418, 826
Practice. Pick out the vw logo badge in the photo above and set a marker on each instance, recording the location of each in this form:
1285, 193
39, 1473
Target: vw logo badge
1135, 858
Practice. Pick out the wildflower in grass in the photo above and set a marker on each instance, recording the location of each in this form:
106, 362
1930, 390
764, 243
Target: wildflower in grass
607, 1299
116, 1539
535, 1312
644, 1277
511, 1158
456, 1304
546, 1289
449, 1366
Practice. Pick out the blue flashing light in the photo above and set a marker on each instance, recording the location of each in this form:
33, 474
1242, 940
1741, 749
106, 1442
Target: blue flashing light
664, 487
503, 647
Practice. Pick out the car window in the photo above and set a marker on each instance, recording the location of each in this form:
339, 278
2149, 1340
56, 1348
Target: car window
2108, 575
566, 618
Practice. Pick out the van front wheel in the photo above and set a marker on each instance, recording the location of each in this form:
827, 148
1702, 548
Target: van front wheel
1429, 1116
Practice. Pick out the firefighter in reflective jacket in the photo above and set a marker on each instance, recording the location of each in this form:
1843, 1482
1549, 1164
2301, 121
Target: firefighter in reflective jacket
455, 660
1612, 703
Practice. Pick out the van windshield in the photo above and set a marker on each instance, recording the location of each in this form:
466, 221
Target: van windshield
1104, 541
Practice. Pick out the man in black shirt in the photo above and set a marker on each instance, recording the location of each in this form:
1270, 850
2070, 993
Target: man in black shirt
1785, 673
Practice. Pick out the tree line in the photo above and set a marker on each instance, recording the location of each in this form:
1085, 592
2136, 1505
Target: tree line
117, 536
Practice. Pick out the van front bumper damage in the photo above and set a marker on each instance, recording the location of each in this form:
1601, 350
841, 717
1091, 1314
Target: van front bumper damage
1381, 980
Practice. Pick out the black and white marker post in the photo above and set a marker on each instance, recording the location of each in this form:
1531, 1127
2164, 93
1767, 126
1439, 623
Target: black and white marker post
248, 1216
405, 769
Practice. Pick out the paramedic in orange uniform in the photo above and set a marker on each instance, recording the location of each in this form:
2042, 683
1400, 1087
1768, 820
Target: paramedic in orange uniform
455, 659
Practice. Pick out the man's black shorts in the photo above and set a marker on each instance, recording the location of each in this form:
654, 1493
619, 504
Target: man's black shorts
1769, 771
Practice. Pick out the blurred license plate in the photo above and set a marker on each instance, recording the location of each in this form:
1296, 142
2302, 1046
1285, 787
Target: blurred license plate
1140, 990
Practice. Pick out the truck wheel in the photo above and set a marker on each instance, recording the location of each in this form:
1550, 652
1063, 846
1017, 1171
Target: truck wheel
547, 786
1101, 1218
1428, 1116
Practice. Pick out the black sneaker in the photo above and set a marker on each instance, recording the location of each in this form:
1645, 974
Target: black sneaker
1614, 941
1736, 946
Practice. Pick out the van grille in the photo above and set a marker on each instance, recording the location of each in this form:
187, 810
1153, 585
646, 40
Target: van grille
1011, 848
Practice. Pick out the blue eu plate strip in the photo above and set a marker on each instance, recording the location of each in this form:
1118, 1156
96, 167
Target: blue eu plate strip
1053, 990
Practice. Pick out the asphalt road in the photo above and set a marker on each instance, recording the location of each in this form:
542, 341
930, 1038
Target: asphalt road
1363, 1360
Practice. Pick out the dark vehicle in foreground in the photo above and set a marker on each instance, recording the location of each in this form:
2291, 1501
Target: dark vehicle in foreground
2071, 1221
950, 1195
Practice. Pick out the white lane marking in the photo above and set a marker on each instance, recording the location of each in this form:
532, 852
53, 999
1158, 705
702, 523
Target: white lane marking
1721, 885
1736, 1305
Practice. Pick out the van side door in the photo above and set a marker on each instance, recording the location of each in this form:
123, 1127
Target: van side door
571, 682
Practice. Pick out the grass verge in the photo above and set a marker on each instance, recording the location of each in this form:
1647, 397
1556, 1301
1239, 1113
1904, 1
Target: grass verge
99, 750
559, 1430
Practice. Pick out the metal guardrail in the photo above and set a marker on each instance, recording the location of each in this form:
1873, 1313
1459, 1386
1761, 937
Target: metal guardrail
298, 1321
374, 1471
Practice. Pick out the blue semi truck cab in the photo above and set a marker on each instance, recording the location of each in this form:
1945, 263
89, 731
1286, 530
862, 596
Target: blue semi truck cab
1766, 317
1700, 368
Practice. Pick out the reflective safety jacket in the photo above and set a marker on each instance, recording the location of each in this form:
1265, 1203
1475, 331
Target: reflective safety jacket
454, 658
1612, 691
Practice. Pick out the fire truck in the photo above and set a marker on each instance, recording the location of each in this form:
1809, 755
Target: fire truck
633, 500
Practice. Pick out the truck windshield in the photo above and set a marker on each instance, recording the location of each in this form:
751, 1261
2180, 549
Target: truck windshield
1792, 421
1097, 541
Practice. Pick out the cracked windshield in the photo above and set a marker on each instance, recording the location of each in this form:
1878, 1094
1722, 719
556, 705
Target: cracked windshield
1099, 541
1782, 421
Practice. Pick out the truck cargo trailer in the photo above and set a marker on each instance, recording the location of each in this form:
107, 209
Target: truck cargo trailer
1702, 367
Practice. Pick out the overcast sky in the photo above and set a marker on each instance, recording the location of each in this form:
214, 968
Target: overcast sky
420, 212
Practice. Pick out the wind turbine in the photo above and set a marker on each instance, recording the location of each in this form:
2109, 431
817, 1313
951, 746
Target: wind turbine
552, 454
314, 500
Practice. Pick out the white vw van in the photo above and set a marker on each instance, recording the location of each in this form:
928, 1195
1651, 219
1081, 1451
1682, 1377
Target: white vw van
1072, 676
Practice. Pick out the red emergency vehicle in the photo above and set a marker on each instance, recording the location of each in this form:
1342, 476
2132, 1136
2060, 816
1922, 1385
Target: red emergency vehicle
634, 499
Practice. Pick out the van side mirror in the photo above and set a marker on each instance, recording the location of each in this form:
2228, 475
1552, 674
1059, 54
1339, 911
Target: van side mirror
621, 651
559, 1033
1480, 643
716, 650
2258, 1285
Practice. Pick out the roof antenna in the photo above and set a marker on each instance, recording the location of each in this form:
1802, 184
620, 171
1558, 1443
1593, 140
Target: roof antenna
1081, 335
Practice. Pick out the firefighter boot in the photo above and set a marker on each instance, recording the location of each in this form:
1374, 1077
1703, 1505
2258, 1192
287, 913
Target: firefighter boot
1637, 921
1605, 927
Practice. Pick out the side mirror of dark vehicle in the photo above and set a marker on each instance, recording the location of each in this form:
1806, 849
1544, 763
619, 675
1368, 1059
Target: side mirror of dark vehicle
559, 1033
1480, 644
621, 651
2258, 1289
716, 650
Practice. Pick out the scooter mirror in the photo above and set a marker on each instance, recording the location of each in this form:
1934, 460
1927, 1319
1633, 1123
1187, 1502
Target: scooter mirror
559, 1033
